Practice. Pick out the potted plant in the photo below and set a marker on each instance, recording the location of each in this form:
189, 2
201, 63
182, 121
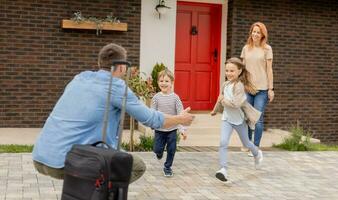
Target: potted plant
144, 90
81, 22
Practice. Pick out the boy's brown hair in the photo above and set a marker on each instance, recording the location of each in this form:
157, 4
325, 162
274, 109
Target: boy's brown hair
166, 72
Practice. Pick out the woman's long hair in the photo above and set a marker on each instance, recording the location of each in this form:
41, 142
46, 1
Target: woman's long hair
245, 76
264, 33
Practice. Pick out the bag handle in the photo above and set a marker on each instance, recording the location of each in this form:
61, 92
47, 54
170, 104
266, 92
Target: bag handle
123, 108
106, 111
101, 142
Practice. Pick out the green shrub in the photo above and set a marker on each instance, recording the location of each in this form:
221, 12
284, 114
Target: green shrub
146, 143
14, 148
300, 141
142, 88
154, 75
324, 147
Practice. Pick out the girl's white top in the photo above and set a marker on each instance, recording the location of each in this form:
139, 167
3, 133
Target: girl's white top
232, 115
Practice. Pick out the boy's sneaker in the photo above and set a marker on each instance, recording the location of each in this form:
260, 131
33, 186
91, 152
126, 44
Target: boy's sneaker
222, 174
168, 172
250, 154
258, 159
158, 157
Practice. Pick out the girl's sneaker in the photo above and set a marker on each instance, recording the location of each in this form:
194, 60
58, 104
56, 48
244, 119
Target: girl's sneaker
168, 172
222, 174
258, 159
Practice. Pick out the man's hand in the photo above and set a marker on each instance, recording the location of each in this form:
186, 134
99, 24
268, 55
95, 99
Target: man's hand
185, 117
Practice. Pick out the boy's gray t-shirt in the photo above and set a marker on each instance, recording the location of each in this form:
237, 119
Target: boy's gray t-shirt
169, 104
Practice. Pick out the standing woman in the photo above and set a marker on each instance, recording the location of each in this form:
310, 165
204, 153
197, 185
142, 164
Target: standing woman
257, 57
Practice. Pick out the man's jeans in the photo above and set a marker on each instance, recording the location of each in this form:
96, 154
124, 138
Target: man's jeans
161, 140
259, 101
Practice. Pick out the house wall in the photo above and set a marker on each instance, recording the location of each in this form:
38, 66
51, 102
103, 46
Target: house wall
38, 58
157, 36
303, 35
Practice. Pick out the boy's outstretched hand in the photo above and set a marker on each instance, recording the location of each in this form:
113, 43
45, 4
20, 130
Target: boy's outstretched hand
184, 135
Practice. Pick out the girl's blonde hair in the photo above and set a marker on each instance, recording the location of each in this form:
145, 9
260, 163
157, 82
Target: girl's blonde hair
245, 76
166, 72
264, 33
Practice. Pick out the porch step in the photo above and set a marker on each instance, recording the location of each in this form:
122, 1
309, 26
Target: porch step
197, 136
206, 121
204, 131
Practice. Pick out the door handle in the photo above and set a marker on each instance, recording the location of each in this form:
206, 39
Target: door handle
215, 54
194, 30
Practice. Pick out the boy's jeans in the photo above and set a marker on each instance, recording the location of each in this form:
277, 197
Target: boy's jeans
161, 140
258, 101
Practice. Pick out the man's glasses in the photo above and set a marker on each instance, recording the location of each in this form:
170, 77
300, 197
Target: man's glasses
121, 62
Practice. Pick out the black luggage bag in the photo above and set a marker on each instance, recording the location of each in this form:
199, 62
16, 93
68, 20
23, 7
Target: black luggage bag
94, 173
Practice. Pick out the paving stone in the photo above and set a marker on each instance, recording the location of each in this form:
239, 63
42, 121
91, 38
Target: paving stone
284, 175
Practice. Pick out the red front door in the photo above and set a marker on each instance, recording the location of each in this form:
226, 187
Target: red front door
198, 28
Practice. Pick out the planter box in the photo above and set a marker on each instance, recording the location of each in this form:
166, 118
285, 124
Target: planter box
70, 24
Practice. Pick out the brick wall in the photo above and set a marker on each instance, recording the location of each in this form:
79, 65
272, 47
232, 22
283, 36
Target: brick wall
304, 38
38, 58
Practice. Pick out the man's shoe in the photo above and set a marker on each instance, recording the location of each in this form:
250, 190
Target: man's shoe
168, 172
250, 154
258, 159
222, 174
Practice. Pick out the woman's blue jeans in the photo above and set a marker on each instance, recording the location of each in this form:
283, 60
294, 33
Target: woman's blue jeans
259, 101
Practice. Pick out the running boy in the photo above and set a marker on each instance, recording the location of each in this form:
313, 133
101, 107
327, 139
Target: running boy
167, 102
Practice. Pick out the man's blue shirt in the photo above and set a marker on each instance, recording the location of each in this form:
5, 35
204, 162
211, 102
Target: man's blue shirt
77, 117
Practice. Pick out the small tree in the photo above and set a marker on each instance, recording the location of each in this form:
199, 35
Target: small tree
154, 74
